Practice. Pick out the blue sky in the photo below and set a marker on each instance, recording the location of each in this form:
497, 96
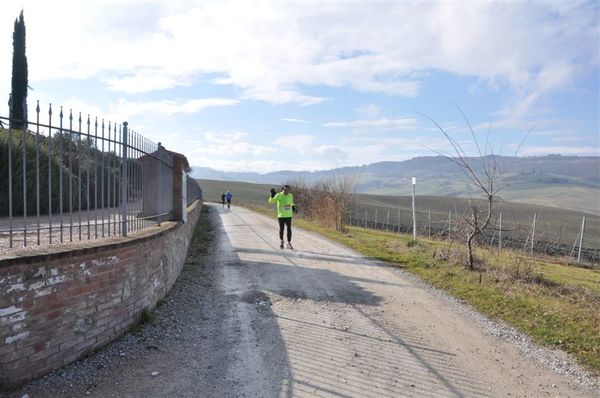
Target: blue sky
263, 86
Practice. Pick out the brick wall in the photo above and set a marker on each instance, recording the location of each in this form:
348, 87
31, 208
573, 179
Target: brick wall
57, 307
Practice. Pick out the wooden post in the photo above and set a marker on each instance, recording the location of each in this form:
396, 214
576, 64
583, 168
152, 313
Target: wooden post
559, 235
500, 232
429, 223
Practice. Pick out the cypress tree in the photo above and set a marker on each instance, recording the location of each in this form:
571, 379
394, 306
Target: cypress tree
18, 116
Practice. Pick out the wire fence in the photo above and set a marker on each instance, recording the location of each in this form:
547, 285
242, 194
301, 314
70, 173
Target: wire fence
74, 178
571, 241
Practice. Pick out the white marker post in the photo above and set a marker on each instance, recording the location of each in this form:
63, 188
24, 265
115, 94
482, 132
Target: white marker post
414, 182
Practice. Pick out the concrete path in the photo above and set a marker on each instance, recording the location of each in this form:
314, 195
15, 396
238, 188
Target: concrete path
319, 320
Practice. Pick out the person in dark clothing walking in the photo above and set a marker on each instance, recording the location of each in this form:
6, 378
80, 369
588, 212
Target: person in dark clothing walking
228, 196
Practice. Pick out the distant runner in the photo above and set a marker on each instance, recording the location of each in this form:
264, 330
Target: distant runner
285, 211
223, 199
228, 196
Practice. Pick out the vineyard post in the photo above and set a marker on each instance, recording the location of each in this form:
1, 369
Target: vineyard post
533, 233
500, 232
581, 240
449, 222
559, 236
429, 223
414, 214
387, 221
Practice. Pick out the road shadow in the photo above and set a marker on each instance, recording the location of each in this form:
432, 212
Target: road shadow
327, 323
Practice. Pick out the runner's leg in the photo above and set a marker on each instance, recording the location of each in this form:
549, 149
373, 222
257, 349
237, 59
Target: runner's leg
288, 223
281, 224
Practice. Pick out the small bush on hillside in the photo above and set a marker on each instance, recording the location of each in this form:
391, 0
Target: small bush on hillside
327, 202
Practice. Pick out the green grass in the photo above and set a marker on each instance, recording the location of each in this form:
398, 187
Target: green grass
556, 305
146, 317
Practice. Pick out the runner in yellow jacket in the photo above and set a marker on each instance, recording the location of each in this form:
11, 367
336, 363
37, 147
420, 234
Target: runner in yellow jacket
285, 212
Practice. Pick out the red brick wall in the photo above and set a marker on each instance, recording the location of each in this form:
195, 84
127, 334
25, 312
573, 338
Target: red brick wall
57, 307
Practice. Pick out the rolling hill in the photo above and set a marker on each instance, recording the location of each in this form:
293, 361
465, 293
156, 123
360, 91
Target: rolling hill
568, 182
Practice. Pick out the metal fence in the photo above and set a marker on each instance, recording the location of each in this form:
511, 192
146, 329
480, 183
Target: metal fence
76, 178
567, 241
193, 189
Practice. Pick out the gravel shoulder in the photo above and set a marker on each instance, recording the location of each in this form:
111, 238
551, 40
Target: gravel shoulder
248, 319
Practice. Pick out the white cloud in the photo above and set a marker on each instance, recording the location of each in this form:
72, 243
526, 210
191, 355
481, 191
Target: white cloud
332, 153
278, 51
292, 120
75, 104
383, 124
236, 164
299, 143
305, 145
369, 111
143, 81
229, 145
219, 152
569, 138
168, 107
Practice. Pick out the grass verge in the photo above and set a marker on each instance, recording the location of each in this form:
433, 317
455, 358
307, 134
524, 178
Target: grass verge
557, 305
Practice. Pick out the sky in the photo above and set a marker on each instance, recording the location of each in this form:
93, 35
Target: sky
309, 85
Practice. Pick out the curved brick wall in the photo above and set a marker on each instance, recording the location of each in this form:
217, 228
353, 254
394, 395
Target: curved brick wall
56, 307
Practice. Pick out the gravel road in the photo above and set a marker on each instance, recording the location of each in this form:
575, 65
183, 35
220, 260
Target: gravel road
247, 319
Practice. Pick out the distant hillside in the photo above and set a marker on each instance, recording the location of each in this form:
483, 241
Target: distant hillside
569, 182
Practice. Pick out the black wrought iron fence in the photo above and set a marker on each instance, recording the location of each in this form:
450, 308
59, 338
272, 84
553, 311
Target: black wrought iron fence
78, 177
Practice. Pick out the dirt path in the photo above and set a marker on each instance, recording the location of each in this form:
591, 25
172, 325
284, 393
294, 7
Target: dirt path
247, 319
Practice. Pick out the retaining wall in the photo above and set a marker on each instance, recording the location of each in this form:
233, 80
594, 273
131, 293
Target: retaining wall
58, 306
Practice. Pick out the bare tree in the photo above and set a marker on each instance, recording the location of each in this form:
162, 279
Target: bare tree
327, 201
485, 172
